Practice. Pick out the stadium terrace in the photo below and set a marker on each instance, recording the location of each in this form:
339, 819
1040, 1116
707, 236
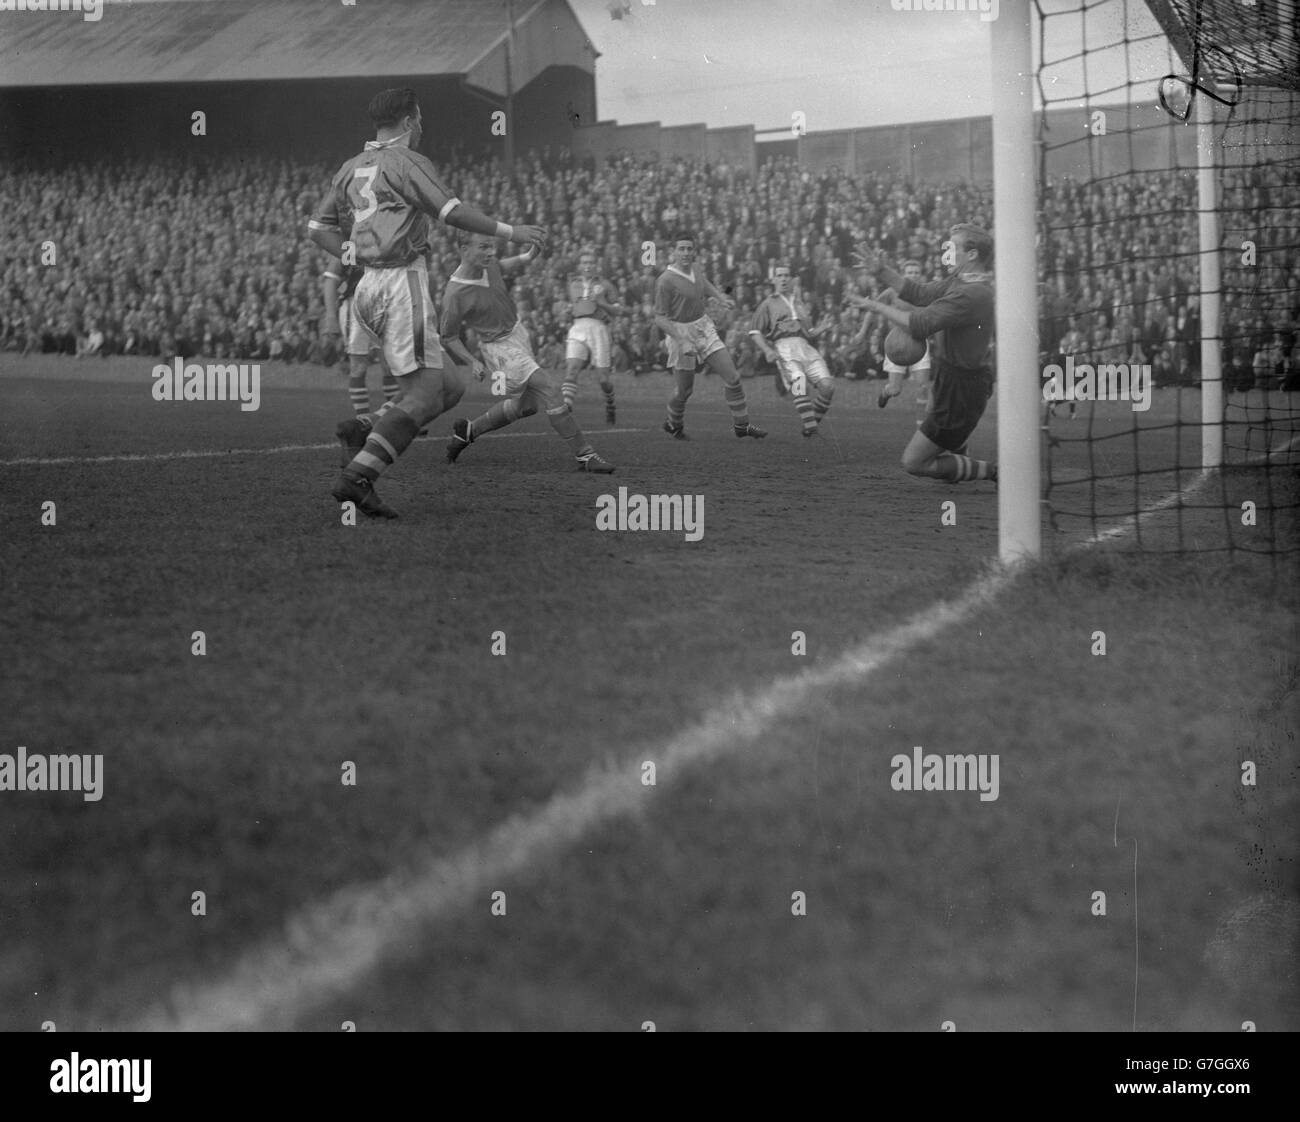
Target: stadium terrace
92, 11
988, 9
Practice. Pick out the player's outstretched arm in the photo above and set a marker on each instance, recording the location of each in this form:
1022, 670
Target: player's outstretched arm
894, 315
874, 262
520, 261
476, 222
954, 309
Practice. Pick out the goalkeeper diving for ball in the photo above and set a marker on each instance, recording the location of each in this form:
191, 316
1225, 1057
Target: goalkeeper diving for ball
958, 313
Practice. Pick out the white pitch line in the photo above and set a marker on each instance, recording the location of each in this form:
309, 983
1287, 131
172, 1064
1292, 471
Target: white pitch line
279, 449
328, 947
1175, 497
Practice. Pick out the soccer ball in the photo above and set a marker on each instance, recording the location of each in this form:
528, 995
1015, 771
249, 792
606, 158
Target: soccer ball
902, 349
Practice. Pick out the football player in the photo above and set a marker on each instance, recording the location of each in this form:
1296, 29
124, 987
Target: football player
680, 293
588, 341
476, 297
783, 331
389, 190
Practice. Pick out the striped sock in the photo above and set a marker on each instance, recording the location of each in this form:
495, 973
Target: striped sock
607, 388
676, 411
804, 407
360, 398
570, 391
822, 399
735, 395
501, 414
566, 424
964, 468
387, 440
390, 386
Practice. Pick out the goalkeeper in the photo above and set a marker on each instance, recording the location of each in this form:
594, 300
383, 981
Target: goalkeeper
958, 312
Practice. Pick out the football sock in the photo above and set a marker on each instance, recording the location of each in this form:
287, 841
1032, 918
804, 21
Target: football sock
822, 399
804, 406
390, 437
963, 468
390, 386
501, 414
735, 396
359, 396
566, 424
607, 388
569, 390
676, 411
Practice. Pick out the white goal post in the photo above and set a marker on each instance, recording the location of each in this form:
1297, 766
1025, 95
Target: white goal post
1015, 272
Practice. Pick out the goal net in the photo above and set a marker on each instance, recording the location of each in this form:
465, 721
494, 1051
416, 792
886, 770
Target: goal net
1169, 271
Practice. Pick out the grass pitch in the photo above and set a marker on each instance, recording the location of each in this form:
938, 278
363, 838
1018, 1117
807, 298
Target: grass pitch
372, 644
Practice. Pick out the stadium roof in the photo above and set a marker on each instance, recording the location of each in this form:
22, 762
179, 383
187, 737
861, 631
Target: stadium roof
151, 41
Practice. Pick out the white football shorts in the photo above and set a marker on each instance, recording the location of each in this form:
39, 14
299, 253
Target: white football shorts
512, 355
393, 306
589, 339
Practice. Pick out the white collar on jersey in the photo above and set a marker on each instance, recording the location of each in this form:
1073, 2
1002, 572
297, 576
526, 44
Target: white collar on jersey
689, 276
482, 281
371, 145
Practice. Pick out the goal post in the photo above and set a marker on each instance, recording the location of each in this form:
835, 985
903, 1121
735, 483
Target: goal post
1015, 272
1208, 232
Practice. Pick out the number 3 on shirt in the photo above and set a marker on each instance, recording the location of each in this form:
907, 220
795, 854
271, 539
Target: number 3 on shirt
367, 189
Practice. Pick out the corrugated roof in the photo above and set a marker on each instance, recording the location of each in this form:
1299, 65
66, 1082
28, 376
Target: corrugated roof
247, 40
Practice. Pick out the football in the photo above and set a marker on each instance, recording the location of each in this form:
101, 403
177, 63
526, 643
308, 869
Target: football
902, 349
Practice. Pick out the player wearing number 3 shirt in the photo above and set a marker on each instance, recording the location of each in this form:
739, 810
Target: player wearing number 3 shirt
386, 195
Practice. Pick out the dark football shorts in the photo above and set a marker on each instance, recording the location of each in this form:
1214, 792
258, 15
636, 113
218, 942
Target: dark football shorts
958, 400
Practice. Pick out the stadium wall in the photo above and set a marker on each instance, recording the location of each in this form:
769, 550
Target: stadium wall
1137, 138
606, 140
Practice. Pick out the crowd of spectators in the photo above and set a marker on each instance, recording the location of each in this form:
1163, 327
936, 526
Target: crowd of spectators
1120, 274
184, 256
